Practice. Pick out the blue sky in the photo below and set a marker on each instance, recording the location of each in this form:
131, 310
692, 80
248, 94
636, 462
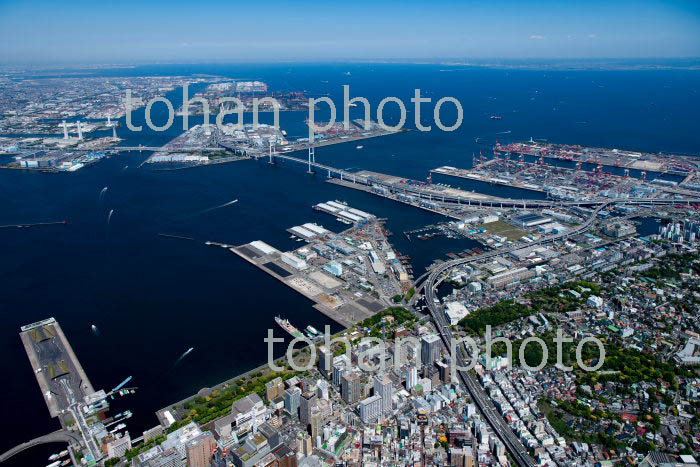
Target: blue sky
173, 31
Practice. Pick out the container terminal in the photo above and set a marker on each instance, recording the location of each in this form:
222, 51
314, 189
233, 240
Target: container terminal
663, 163
567, 183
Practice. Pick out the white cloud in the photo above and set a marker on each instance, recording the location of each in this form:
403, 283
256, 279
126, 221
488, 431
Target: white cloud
537, 36
592, 36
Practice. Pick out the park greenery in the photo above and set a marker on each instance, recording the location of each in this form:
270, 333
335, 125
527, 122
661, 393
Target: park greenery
204, 409
629, 366
556, 299
411, 292
143, 447
562, 418
533, 353
400, 315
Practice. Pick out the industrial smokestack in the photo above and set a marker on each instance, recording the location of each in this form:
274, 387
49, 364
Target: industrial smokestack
80, 131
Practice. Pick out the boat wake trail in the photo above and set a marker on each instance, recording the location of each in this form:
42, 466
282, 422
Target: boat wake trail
216, 207
95, 331
102, 193
182, 357
199, 213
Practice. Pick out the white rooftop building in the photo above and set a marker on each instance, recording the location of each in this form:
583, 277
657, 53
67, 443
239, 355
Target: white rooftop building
455, 311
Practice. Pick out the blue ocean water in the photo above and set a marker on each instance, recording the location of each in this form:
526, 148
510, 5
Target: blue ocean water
152, 298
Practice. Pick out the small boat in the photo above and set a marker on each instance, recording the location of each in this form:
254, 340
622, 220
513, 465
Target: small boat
496, 117
359, 147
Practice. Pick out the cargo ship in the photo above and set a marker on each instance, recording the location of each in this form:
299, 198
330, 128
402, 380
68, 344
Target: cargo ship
287, 326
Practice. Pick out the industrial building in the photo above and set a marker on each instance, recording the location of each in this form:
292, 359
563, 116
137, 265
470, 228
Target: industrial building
530, 220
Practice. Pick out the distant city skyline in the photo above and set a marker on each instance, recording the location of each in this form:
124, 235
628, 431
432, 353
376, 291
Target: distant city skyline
105, 32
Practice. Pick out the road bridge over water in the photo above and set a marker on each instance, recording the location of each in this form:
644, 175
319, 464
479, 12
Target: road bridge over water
60, 436
423, 193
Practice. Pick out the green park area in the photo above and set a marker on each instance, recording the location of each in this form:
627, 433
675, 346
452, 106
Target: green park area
557, 299
502, 229
397, 317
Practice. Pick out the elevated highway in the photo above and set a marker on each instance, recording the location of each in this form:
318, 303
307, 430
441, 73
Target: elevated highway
60, 436
513, 445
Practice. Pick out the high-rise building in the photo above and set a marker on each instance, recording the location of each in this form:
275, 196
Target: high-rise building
371, 409
340, 364
404, 428
350, 388
411, 377
468, 456
325, 366
316, 422
274, 389
200, 450
322, 389
306, 445
430, 347
384, 389
444, 372
292, 399
307, 402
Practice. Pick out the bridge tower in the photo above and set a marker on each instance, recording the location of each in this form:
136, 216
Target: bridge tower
430, 177
312, 158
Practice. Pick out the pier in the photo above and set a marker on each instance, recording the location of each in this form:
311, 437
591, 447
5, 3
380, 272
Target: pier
346, 314
65, 387
53, 361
